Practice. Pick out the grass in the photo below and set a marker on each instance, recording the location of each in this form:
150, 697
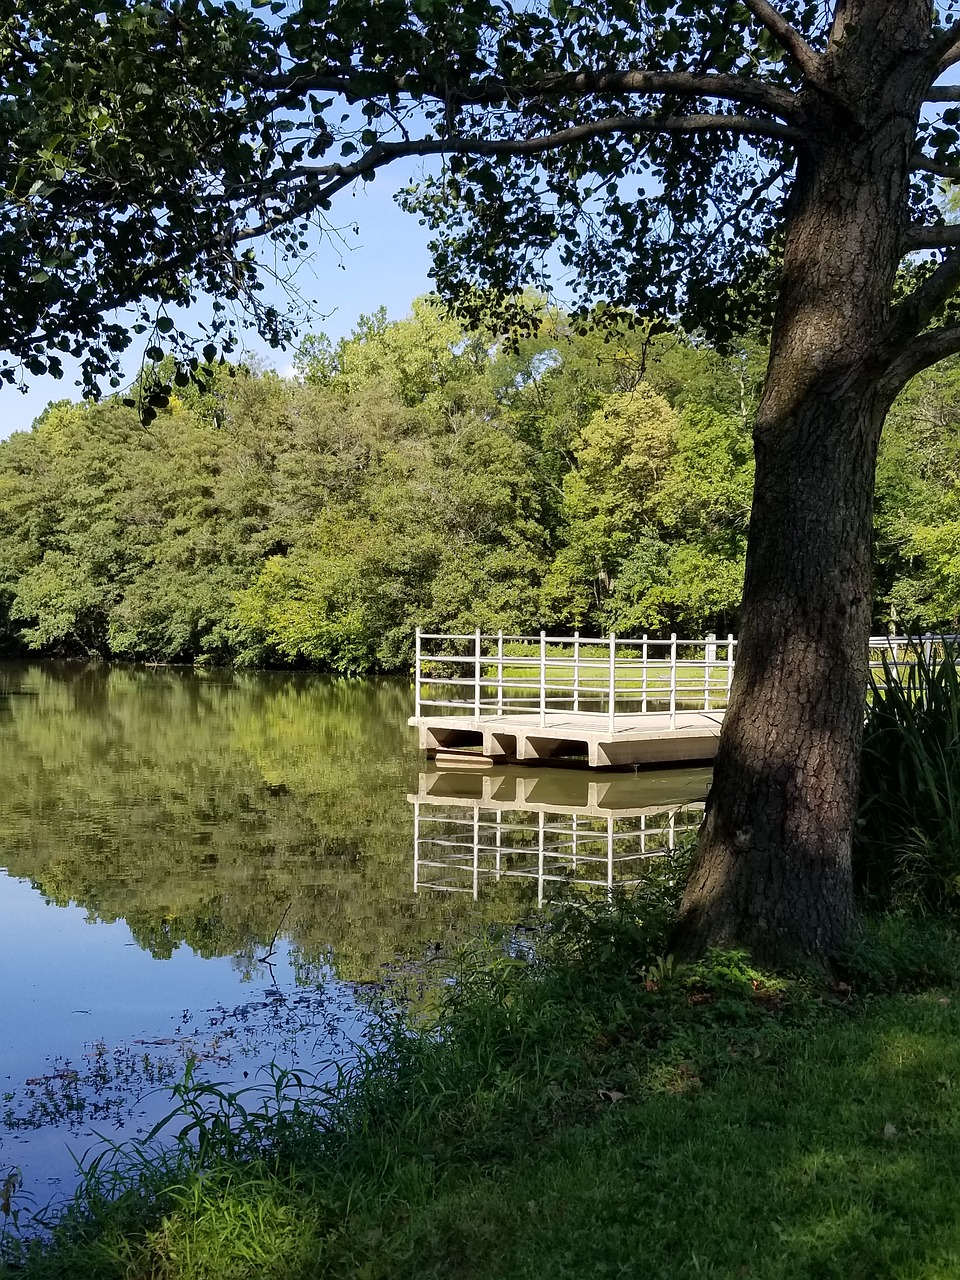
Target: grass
595, 1111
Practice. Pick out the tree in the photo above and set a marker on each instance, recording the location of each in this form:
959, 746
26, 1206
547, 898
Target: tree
691, 160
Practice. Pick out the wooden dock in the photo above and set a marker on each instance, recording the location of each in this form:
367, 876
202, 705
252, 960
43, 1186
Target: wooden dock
604, 701
642, 738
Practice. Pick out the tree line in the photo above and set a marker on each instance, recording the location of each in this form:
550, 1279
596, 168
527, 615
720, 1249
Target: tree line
417, 473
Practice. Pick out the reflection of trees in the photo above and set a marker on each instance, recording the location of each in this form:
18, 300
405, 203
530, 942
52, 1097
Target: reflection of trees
201, 807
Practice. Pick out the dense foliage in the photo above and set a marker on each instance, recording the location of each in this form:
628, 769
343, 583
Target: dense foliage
417, 474
410, 474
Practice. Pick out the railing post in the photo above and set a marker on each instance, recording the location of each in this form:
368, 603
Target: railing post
478, 653
673, 679
576, 671
709, 658
543, 678
928, 647
613, 681
610, 853
416, 679
643, 687
416, 837
730, 660
499, 673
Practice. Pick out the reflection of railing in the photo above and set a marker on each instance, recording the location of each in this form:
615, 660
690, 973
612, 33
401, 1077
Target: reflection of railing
459, 844
501, 675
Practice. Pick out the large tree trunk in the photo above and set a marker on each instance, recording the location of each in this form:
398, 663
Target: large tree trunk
772, 871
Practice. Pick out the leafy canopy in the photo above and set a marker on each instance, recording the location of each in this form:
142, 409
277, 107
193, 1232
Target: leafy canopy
643, 150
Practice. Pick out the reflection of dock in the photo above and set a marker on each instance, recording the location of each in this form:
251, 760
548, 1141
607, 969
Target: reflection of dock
551, 829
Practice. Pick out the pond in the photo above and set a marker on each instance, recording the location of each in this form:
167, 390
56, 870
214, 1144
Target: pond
218, 868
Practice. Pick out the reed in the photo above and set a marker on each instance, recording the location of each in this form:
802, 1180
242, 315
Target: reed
907, 843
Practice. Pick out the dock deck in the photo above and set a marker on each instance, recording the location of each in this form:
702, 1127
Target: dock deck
635, 739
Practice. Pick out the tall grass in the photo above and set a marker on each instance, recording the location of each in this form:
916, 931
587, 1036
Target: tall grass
907, 846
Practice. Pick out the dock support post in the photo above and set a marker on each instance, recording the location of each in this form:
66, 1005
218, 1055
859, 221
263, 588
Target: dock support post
543, 679
416, 837
416, 678
673, 680
613, 681
478, 652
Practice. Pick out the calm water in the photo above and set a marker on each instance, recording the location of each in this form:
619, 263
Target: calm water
216, 867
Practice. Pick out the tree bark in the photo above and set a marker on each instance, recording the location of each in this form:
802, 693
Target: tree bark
772, 871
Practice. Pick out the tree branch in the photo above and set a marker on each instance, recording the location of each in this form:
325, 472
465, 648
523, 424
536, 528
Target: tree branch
743, 90
325, 181
923, 164
911, 316
383, 153
926, 349
921, 237
947, 48
787, 37
943, 93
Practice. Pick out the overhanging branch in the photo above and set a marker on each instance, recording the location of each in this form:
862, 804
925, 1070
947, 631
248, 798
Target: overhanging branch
947, 49
383, 153
925, 350
923, 164
911, 316
787, 37
325, 181
489, 91
923, 237
944, 93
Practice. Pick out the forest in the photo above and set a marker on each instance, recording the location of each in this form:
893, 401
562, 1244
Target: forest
594, 476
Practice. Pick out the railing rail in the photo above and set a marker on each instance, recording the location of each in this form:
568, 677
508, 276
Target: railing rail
501, 674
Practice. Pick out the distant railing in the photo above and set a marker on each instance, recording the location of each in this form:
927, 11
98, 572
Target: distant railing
480, 675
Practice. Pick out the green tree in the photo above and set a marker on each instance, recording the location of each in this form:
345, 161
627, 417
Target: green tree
661, 154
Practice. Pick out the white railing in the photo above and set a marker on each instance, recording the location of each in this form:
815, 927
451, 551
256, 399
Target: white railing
481, 675
507, 675
455, 850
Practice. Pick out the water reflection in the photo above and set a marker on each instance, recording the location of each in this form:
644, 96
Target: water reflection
216, 867
547, 829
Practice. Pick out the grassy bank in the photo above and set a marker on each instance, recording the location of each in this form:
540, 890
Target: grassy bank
595, 1112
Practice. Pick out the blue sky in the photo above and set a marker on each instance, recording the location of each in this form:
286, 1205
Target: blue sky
387, 265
